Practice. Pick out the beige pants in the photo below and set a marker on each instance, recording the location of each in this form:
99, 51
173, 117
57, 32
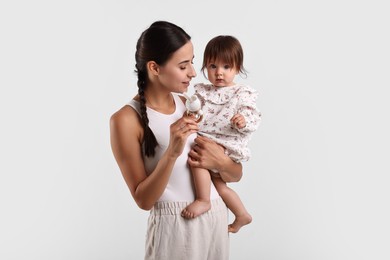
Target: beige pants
172, 237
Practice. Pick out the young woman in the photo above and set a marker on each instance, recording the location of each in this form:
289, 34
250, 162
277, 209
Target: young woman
151, 140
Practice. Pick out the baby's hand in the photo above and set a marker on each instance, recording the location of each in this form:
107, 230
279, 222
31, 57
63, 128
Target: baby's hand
238, 120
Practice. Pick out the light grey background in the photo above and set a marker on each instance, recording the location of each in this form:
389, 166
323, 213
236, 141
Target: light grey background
317, 184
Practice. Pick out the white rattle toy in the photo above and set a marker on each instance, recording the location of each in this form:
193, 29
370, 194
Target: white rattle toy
194, 107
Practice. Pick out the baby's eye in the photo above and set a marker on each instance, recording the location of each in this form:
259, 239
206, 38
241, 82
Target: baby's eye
227, 67
212, 66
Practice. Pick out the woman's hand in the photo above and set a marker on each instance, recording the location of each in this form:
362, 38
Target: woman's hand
206, 154
210, 155
180, 130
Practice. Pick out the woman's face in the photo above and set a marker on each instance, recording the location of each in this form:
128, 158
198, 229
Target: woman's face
178, 71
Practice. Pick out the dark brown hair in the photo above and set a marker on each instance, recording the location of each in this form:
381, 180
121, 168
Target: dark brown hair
227, 49
157, 43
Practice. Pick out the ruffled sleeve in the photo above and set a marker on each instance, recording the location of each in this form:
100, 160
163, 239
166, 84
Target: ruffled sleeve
247, 107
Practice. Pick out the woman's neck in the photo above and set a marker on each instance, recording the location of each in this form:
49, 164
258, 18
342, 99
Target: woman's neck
161, 102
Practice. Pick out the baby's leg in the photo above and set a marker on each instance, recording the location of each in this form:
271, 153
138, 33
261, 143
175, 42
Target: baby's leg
234, 203
202, 182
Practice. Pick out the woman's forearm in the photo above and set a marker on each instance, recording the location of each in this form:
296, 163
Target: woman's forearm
229, 170
152, 187
209, 155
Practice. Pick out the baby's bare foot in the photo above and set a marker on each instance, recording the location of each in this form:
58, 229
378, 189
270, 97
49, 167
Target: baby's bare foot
239, 222
196, 208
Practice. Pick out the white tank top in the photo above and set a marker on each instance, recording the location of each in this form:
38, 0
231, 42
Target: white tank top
180, 184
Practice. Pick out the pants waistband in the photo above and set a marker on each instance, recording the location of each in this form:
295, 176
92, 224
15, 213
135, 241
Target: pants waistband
176, 207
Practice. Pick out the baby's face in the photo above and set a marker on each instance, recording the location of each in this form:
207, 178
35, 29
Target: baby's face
221, 74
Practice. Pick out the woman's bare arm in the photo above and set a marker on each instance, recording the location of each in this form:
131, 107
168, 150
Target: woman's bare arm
208, 154
126, 143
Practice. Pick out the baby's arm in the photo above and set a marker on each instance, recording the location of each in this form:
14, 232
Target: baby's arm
247, 108
251, 118
238, 121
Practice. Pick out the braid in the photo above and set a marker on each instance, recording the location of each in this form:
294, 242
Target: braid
149, 137
157, 43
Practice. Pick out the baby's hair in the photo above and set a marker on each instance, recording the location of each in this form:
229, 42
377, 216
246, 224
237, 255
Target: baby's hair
224, 48
157, 43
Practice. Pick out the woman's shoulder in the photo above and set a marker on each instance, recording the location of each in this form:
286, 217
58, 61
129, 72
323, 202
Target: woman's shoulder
125, 117
124, 113
126, 133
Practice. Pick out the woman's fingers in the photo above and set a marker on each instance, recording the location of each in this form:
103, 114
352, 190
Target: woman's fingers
206, 153
193, 162
180, 130
201, 141
184, 126
194, 154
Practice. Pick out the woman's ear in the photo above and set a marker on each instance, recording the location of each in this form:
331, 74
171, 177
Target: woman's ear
153, 67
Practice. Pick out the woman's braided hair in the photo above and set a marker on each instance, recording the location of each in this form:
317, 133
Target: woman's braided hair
157, 43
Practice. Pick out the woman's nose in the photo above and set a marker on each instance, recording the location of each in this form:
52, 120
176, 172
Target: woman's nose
192, 73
